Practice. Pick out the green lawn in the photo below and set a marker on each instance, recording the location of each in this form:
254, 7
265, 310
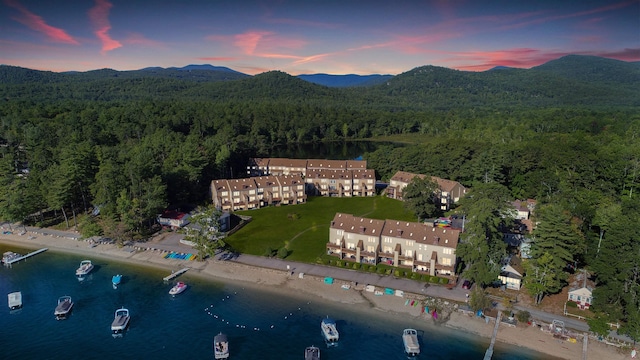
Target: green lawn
304, 228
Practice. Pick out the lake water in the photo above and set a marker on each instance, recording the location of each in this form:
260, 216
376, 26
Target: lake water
260, 324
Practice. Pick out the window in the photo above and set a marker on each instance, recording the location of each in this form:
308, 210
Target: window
447, 251
388, 240
285, 188
236, 193
446, 261
372, 239
409, 253
419, 257
340, 232
409, 242
371, 248
225, 193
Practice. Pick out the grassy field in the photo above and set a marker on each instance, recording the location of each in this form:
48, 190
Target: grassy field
304, 229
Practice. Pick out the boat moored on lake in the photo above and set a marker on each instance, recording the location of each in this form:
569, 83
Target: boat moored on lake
15, 300
116, 280
178, 288
120, 321
84, 269
410, 341
330, 331
312, 353
63, 309
221, 346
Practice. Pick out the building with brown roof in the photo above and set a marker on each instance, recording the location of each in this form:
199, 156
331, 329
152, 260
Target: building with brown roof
256, 192
416, 246
449, 192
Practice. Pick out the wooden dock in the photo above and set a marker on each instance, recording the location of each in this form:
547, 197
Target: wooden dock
175, 274
489, 353
10, 262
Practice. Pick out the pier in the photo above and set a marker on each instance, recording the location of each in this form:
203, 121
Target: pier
489, 353
11, 261
175, 274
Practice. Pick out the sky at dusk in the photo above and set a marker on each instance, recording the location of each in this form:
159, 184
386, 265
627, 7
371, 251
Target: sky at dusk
313, 36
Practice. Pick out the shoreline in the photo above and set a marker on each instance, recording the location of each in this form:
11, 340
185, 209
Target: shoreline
528, 337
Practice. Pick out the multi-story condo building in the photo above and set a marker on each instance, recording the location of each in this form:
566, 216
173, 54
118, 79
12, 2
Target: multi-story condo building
449, 192
255, 192
416, 246
285, 166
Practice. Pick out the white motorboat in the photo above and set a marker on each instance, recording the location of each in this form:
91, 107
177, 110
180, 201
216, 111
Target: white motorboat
221, 346
178, 288
312, 353
120, 321
330, 331
15, 300
63, 309
84, 269
410, 340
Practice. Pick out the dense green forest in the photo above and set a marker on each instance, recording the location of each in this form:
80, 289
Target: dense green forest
566, 133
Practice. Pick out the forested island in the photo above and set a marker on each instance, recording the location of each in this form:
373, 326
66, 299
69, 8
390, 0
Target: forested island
130, 144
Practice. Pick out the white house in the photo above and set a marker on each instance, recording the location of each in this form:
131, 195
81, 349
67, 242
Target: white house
173, 219
582, 296
510, 277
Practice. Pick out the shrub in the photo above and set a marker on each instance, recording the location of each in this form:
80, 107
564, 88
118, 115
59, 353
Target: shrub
283, 252
388, 271
380, 271
571, 304
433, 280
331, 262
414, 276
356, 266
397, 273
425, 278
373, 268
523, 316
443, 281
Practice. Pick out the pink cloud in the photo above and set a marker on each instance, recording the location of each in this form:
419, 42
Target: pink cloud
527, 58
35, 22
99, 16
249, 41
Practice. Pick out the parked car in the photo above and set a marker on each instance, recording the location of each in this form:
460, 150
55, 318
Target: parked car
467, 284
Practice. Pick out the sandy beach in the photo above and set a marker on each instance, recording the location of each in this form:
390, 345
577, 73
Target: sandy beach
525, 336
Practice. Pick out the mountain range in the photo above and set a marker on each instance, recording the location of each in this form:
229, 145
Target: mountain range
573, 79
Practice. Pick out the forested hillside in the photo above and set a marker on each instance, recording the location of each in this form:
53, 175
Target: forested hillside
566, 133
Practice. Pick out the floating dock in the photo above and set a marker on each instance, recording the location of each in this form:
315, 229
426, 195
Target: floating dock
175, 274
9, 262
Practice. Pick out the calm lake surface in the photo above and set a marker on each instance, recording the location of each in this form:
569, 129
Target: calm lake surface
260, 324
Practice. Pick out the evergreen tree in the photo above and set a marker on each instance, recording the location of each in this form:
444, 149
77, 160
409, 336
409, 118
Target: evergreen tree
482, 247
420, 197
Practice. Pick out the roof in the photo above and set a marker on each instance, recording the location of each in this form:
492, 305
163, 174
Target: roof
405, 177
364, 174
242, 184
288, 180
220, 184
445, 184
326, 164
354, 224
266, 181
583, 291
421, 233
356, 164
172, 214
286, 162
